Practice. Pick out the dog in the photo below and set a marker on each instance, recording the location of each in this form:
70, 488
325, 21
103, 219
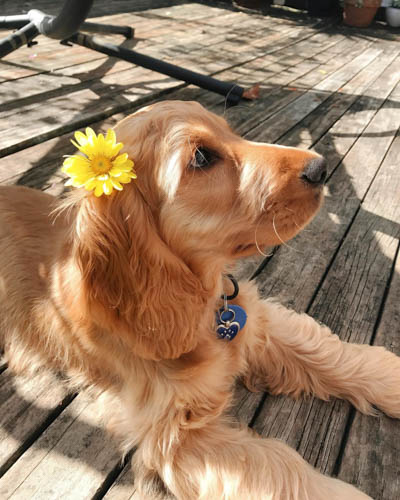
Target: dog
123, 293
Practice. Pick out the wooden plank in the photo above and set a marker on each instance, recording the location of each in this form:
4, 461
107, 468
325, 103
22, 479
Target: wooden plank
43, 85
100, 7
378, 76
348, 300
276, 107
372, 453
60, 56
123, 488
36, 180
305, 104
121, 97
14, 165
49, 55
292, 278
195, 12
65, 61
83, 105
51, 151
348, 50
245, 118
13, 71
280, 61
25, 406
3, 362
346, 189
75, 452
274, 98
341, 136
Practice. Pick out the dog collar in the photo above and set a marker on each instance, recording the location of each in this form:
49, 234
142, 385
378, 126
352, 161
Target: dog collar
230, 318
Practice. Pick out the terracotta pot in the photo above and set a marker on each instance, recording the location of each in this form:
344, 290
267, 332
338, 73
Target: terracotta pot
360, 17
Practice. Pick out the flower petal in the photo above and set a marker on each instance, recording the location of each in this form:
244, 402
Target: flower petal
80, 138
107, 187
99, 189
120, 160
111, 137
91, 184
102, 177
90, 132
116, 149
76, 160
116, 184
86, 169
100, 146
125, 178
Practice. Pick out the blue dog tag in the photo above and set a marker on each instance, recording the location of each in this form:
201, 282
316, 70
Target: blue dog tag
230, 321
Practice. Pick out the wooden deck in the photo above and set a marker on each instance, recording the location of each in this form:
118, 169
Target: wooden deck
323, 86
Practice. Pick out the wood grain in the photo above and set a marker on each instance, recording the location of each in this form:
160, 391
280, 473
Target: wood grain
371, 456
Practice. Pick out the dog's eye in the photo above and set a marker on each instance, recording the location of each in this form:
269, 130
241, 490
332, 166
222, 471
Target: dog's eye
202, 158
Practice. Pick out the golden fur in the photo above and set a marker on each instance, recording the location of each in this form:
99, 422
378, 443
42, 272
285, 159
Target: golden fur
120, 293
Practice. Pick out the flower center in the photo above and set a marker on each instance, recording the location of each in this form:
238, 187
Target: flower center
101, 165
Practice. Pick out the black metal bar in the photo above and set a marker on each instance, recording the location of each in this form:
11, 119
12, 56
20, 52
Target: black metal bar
17, 39
126, 31
66, 23
65, 27
231, 91
13, 22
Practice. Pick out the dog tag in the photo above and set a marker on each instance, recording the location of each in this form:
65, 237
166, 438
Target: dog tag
230, 321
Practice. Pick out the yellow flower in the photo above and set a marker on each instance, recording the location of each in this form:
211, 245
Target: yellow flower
102, 169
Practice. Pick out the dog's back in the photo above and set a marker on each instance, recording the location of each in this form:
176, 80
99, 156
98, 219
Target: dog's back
28, 244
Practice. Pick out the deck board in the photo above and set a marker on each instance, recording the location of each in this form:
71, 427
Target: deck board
371, 458
26, 406
75, 452
323, 86
293, 279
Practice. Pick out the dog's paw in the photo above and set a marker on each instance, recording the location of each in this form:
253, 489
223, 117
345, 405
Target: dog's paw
386, 382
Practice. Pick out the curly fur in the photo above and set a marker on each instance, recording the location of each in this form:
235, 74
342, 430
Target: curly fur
120, 293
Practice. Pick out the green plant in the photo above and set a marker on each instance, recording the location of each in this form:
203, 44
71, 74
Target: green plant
396, 4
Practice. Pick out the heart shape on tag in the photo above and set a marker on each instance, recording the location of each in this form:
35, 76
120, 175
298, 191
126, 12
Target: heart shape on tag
228, 332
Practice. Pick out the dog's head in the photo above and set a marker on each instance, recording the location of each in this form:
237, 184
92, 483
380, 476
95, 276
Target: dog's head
203, 196
209, 190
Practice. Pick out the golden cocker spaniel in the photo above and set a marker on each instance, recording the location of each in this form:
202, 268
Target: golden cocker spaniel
123, 293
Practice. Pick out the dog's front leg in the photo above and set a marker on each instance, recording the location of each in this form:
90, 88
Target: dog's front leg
291, 353
173, 412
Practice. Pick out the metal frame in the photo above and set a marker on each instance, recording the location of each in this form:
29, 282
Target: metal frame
65, 27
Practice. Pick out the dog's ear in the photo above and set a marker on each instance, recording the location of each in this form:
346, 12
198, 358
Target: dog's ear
133, 285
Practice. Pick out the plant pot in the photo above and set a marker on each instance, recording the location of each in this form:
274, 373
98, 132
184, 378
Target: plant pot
359, 17
393, 17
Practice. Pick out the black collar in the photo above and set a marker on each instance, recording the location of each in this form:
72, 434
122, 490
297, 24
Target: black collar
235, 288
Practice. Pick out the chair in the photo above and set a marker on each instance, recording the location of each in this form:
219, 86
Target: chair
71, 18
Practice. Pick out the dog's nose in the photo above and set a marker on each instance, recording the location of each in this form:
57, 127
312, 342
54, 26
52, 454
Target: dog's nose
315, 171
